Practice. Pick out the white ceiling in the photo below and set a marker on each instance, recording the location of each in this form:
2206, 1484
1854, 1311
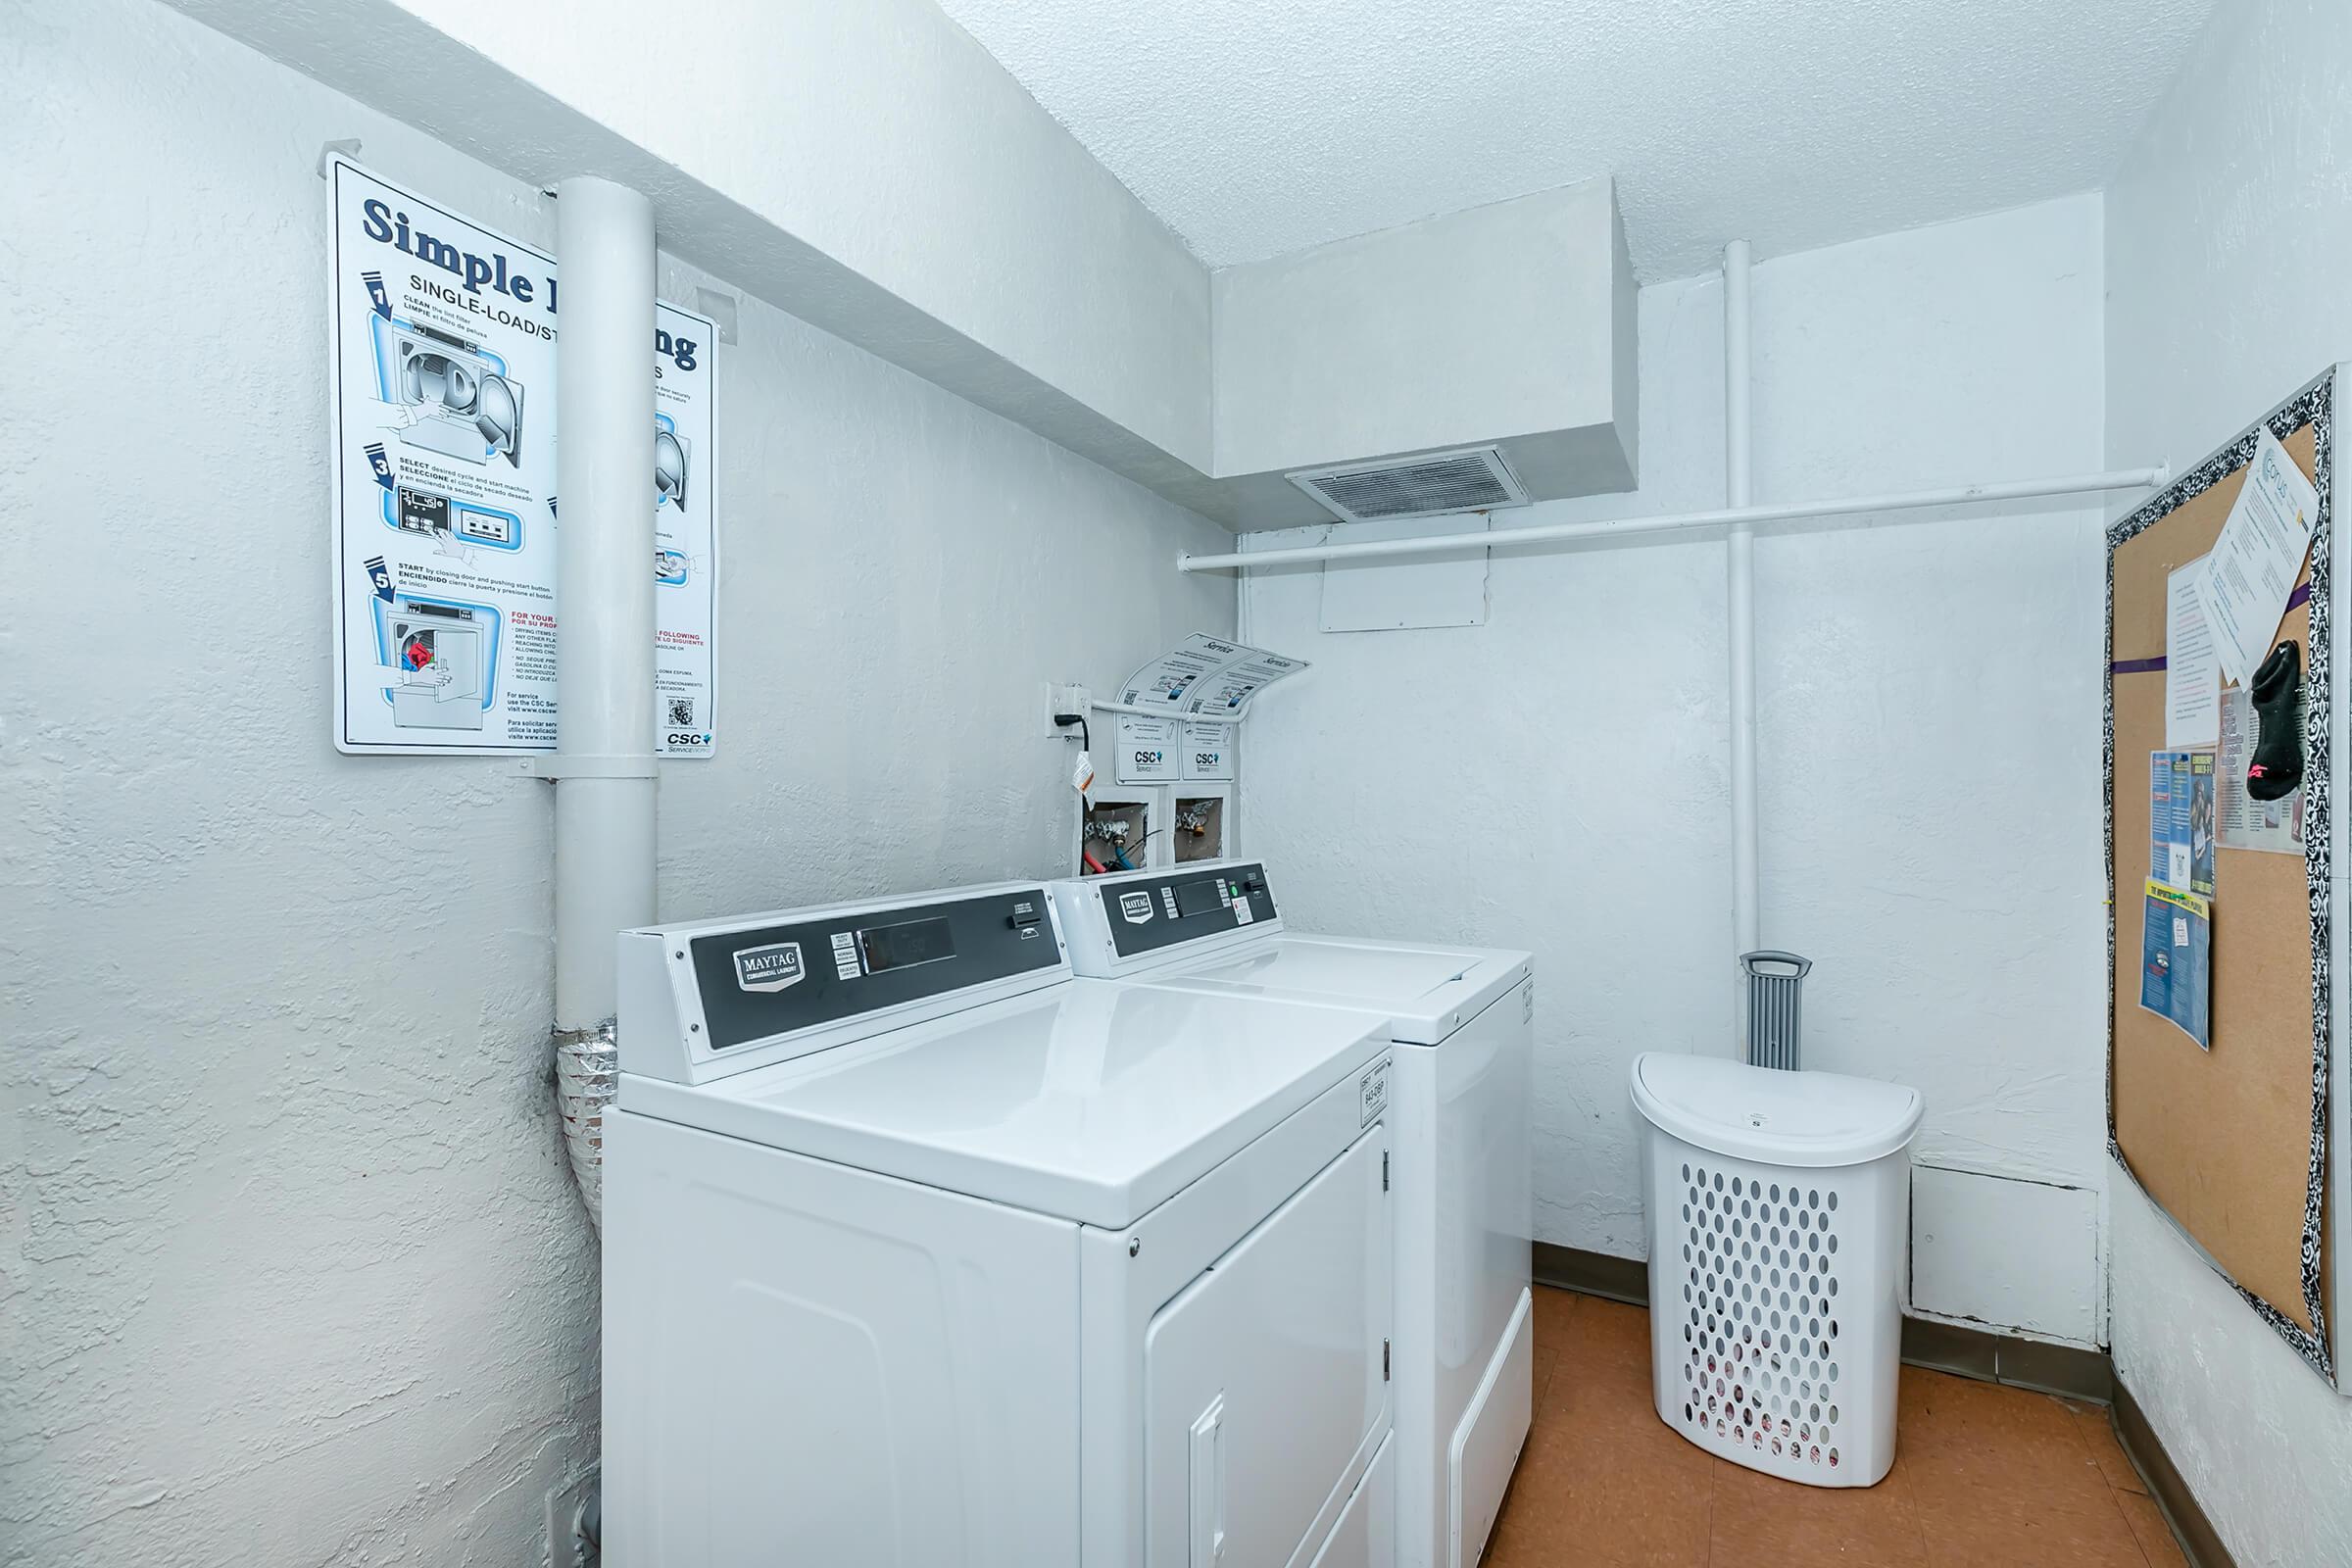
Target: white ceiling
1255, 128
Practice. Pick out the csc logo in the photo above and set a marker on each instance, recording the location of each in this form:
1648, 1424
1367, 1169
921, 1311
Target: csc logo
683, 740
1149, 758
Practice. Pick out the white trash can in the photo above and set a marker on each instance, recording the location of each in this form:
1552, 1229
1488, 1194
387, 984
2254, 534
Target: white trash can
1779, 1214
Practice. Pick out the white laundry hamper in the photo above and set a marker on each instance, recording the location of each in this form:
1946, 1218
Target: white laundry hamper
1779, 1216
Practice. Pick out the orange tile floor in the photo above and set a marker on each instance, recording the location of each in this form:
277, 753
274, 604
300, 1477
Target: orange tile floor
1984, 1476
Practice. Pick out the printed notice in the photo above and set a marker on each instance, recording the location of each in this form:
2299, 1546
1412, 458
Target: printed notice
446, 526
2176, 959
2193, 671
1167, 681
2242, 821
1148, 751
2180, 819
2252, 569
1207, 675
685, 534
1209, 751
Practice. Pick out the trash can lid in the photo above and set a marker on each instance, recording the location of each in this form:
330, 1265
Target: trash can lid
1773, 1116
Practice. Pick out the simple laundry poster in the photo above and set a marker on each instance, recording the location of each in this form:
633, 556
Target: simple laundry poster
446, 518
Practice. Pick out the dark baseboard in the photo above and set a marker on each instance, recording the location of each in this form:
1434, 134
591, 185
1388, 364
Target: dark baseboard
1952, 1348
2199, 1541
1571, 1268
2063, 1369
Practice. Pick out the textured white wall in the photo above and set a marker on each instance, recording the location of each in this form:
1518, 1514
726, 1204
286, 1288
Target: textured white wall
2230, 242
290, 1267
1557, 779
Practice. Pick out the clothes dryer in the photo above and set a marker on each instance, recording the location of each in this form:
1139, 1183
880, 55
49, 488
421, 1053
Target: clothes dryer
1462, 1021
919, 1250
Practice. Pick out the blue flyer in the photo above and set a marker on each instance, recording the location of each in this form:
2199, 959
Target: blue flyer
2181, 820
2175, 961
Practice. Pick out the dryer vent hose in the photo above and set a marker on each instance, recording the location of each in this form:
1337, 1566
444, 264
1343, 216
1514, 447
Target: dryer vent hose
587, 1071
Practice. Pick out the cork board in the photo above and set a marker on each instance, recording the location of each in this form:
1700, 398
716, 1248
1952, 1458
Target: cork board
2231, 1143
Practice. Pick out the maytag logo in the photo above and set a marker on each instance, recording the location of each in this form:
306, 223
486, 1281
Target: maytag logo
769, 969
1136, 906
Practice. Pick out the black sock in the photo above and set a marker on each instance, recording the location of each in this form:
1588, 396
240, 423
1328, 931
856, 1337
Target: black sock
2278, 765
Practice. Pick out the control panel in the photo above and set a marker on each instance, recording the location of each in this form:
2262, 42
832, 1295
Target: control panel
708, 999
1114, 920
783, 978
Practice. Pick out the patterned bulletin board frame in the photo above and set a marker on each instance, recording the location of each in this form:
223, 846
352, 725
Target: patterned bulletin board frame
2313, 406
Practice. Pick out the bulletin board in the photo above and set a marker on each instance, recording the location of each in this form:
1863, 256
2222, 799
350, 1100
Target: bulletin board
2232, 1143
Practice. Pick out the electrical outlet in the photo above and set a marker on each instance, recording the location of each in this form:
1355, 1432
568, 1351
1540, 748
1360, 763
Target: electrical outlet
1061, 699
565, 1547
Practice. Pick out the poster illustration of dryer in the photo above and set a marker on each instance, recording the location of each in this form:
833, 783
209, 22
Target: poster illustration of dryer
447, 525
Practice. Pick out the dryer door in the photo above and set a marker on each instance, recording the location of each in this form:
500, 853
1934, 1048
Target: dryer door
1266, 1380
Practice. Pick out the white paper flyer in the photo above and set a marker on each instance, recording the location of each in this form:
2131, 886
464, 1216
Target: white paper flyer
1207, 675
2192, 674
446, 524
2251, 571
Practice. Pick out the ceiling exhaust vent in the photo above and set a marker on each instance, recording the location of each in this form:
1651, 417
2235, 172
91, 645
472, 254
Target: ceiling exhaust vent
1471, 479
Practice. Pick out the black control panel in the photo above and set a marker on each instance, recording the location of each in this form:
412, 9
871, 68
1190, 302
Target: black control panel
1147, 913
785, 978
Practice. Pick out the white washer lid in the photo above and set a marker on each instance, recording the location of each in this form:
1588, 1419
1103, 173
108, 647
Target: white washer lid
1426, 991
1772, 1116
1091, 1100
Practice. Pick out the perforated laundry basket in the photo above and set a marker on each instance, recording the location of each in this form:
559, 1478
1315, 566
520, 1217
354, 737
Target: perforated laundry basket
1779, 1214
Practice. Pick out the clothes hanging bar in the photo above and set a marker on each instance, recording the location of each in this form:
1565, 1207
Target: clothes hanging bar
1626, 527
1162, 712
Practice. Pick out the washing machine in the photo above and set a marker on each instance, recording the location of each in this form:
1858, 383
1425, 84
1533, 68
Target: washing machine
1461, 1023
919, 1250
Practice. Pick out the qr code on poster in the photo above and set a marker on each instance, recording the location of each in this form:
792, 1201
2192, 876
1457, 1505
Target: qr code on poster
681, 712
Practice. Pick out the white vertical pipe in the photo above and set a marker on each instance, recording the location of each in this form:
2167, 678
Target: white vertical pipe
603, 585
1740, 583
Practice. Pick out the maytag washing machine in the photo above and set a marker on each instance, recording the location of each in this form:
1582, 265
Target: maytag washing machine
920, 1251
1462, 1019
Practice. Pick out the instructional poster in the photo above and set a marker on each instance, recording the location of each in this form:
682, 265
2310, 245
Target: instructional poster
685, 555
446, 521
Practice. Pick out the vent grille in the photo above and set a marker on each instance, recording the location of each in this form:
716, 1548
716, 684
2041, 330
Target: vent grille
1475, 479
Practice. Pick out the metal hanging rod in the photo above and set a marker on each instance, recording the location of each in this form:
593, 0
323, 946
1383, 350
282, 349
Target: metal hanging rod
1162, 712
1625, 527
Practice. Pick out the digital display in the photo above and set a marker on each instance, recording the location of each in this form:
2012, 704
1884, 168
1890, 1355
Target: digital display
902, 946
1198, 896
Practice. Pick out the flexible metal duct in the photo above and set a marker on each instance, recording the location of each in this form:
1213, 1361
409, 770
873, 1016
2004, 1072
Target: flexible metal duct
587, 1071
